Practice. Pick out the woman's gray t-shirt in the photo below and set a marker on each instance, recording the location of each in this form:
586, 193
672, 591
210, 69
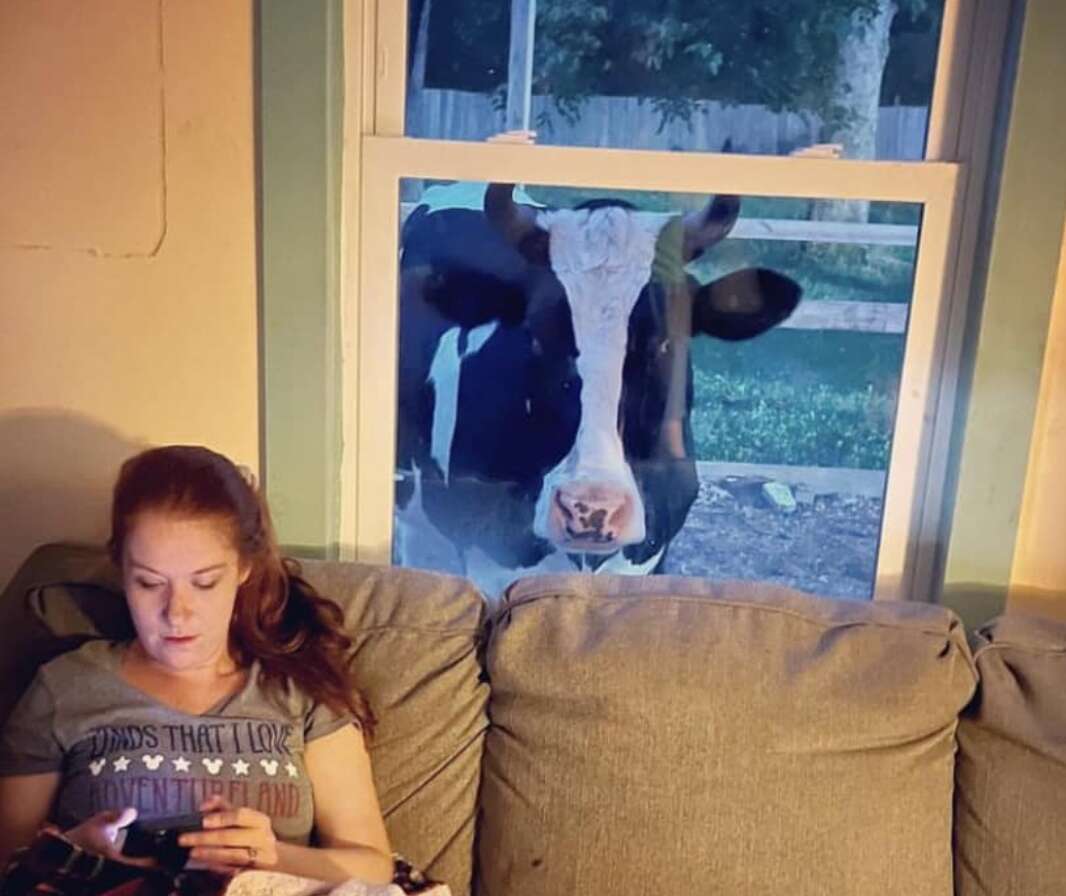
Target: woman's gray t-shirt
117, 746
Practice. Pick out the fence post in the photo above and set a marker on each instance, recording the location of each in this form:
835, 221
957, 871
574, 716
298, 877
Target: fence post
520, 65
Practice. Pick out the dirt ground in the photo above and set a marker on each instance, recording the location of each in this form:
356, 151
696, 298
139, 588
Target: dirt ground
827, 545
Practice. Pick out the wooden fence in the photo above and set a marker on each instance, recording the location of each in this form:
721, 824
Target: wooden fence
633, 123
826, 314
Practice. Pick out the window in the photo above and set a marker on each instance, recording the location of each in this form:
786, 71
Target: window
769, 77
807, 449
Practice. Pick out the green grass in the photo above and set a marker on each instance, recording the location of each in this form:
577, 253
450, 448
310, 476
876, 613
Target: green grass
784, 423
797, 397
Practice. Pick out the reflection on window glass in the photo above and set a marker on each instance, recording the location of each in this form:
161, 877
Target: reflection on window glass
644, 383
853, 77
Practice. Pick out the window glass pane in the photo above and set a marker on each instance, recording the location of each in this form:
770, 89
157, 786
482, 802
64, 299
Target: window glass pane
651, 383
853, 77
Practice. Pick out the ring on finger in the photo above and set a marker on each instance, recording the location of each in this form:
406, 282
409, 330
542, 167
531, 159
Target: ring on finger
252, 853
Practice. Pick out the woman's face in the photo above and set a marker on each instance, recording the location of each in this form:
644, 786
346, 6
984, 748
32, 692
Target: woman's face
181, 576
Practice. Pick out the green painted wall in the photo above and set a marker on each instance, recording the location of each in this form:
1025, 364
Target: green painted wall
1013, 327
300, 93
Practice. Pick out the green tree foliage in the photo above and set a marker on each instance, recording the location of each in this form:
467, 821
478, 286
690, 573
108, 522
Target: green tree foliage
777, 53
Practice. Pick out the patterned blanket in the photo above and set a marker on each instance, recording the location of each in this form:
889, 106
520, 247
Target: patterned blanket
53, 866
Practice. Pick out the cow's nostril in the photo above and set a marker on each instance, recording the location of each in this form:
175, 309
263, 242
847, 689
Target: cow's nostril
619, 517
561, 505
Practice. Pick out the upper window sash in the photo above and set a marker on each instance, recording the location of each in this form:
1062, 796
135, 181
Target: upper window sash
970, 45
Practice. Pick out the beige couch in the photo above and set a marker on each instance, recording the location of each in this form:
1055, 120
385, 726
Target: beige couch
664, 736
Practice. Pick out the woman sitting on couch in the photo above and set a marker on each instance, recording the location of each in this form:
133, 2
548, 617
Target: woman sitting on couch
234, 699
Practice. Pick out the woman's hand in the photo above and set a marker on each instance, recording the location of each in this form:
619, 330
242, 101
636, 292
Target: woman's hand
232, 839
99, 834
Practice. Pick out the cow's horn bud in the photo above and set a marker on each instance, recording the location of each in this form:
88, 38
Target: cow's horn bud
513, 220
710, 224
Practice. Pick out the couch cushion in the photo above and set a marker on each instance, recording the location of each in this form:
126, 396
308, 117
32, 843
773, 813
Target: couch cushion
416, 640
1011, 770
61, 596
666, 735
417, 636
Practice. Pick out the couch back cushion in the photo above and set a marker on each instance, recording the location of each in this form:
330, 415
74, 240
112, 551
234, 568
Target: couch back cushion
665, 735
1011, 770
416, 640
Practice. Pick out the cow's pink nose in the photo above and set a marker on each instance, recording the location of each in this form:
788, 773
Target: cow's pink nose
593, 517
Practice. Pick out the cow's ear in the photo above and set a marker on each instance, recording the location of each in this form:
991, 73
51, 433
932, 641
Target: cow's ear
744, 304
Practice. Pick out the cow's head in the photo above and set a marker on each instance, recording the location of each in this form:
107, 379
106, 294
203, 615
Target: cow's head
603, 255
606, 313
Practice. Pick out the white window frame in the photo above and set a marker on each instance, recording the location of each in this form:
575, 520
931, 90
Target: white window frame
377, 156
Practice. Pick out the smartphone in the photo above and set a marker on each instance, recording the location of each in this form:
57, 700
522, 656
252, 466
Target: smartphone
157, 838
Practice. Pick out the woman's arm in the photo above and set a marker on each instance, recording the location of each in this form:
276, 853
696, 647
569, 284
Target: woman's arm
348, 821
348, 818
25, 801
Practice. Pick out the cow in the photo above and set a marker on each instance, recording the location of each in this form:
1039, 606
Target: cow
545, 381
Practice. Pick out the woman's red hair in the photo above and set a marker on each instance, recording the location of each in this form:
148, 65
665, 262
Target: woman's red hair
279, 618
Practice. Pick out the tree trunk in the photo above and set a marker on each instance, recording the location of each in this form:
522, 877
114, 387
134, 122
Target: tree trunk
851, 119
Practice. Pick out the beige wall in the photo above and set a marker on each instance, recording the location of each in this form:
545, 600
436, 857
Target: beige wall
1038, 578
127, 249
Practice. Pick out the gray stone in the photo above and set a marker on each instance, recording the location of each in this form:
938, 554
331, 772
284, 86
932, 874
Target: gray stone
779, 496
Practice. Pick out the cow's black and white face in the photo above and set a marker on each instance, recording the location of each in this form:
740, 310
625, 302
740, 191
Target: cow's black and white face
602, 257
549, 366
